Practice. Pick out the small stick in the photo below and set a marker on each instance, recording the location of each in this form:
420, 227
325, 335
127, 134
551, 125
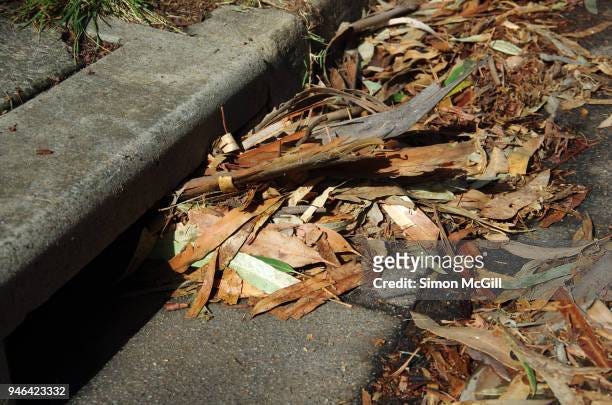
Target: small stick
493, 71
403, 366
223, 120
336, 299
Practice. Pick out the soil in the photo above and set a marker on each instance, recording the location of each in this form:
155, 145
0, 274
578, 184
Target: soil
183, 13
90, 52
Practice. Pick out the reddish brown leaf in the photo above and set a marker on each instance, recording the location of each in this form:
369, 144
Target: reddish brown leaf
289, 249
203, 294
345, 278
230, 287
507, 205
582, 331
292, 293
569, 203
43, 152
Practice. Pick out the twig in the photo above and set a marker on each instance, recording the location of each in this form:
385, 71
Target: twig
223, 120
336, 299
403, 366
493, 71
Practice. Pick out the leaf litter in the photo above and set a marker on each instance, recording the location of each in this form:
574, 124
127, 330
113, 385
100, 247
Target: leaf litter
430, 122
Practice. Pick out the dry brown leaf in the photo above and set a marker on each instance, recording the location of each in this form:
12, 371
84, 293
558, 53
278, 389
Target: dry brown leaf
309, 234
594, 282
518, 390
555, 215
497, 164
301, 192
590, 31
267, 152
249, 291
230, 287
371, 193
485, 378
447, 156
266, 133
204, 217
345, 278
541, 252
487, 341
318, 202
518, 159
366, 398
582, 331
231, 246
326, 251
203, 294
335, 240
292, 293
557, 376
471, 199
289, 249
601, 314
413, 222
507, 205
585, 232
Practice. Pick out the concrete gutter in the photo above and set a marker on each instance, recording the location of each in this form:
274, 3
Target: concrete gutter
126, 130
30, 62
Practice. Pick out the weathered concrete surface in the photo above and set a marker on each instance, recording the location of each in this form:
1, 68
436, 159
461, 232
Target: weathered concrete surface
30, 62
324, 358
123, 133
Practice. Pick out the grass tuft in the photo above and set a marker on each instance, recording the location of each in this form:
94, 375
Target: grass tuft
75, 15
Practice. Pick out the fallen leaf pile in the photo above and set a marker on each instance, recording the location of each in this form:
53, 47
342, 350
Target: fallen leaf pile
434, 122
541, 338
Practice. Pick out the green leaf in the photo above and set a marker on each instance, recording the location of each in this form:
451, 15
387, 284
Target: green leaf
260, 274
277, 264
591, 6
506, 47
399, 96
458, 70
558, 6
460, 87
173, 243
533, 382
373, 87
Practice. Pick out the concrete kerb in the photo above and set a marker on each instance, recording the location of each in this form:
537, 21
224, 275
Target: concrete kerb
125, 131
